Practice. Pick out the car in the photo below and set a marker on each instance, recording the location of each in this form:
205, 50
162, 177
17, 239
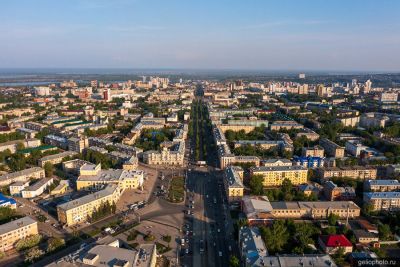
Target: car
220, 253
218, 230
187, 251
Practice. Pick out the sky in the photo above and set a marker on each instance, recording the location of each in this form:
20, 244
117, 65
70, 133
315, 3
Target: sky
345, 35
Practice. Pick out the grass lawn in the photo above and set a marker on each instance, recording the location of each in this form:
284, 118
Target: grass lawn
176, 189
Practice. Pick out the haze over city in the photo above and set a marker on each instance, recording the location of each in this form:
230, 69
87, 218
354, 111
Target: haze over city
247, 35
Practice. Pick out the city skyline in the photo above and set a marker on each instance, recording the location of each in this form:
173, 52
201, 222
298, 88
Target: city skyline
289, 35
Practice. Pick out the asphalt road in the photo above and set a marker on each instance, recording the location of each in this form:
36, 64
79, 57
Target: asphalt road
210, 221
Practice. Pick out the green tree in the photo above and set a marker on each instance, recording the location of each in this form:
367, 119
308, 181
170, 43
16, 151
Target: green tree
332, 219
256, 185
234, 261
28, 242
49, 169
276, 236
33, 254
384, 232
55, 243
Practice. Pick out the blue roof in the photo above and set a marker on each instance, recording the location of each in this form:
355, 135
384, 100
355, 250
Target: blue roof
6, 200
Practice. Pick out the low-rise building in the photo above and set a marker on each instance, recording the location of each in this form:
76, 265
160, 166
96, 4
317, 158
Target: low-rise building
354, 172
261, 210
381, 185
22, 176
332, 243
308, 133
332, 149
7, 202
37, 188
15, 230
56, 158
276, 162
315, 151
308, 162
78, 210
285, 125
172, 153
131, 164
145, 256
333, 192
251, 246
92, 177
78, 144
233, 182
17, 187
351, 121
274, 176
383, 200
60, 189
365, 237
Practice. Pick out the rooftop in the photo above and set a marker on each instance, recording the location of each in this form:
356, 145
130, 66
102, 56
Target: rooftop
109, 190
16, 224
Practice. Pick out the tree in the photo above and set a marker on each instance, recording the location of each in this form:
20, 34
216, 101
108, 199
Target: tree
33, 254
384, 231
49, 169
28, 242
303, 235
55, 243
276, 236
256, 185
234, 261
7, 214
332, 219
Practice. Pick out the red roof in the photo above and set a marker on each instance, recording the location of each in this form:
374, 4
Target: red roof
336, 241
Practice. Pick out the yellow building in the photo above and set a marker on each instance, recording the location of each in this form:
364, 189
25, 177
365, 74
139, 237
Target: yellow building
13, 231
60, 189
233, 182
93, 177
274, 176
78, 210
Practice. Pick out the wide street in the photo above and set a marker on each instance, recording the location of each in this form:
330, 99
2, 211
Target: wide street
211, 223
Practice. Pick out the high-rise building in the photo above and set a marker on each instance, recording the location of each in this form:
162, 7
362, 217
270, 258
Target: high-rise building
367, 86
302, 76
93, 83
107, 94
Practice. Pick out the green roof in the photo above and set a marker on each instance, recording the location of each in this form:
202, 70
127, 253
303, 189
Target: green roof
73, 124
38, 148
64, 121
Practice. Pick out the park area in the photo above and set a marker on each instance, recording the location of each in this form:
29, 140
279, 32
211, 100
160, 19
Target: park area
176, 189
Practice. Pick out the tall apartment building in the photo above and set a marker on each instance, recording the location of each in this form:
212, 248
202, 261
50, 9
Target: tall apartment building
22, 176
15, 230
274, 176
332, 149
78, 210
